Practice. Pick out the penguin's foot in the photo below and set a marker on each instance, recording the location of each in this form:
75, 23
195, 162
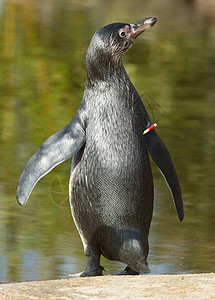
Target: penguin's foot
127, 271
75, 275
87, 273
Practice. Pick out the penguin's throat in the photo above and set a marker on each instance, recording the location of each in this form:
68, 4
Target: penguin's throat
104, 70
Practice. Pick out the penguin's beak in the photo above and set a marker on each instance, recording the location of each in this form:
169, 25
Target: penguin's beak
140, 26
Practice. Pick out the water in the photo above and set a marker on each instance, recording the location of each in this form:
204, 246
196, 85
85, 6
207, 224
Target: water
42, 78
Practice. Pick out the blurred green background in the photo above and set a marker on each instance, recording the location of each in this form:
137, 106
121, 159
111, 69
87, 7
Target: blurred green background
42, 78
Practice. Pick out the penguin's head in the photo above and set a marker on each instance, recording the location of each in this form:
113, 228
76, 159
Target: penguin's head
110, 42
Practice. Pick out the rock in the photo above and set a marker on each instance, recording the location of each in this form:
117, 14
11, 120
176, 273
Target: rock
195, 286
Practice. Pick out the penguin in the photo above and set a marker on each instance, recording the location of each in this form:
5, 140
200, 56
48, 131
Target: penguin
111, 189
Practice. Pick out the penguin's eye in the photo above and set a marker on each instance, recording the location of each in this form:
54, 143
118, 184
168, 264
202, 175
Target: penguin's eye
122, 33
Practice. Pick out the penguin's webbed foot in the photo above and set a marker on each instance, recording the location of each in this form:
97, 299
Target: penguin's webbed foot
89, 273
127, 271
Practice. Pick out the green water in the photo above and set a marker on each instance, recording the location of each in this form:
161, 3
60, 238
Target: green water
42, 77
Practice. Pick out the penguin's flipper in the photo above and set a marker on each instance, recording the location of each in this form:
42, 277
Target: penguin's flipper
163, 161
57, 148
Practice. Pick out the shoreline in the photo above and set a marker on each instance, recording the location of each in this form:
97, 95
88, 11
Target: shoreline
188, 286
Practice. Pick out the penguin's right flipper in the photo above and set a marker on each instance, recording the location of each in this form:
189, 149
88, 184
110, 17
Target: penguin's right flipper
163, 161
57, 148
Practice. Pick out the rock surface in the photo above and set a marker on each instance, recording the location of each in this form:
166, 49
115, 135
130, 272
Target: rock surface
197, 286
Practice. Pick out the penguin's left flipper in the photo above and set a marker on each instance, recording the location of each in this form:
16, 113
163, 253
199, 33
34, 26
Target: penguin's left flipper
163, 161
57, 148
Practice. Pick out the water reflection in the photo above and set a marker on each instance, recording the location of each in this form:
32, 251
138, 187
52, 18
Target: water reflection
42, 78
